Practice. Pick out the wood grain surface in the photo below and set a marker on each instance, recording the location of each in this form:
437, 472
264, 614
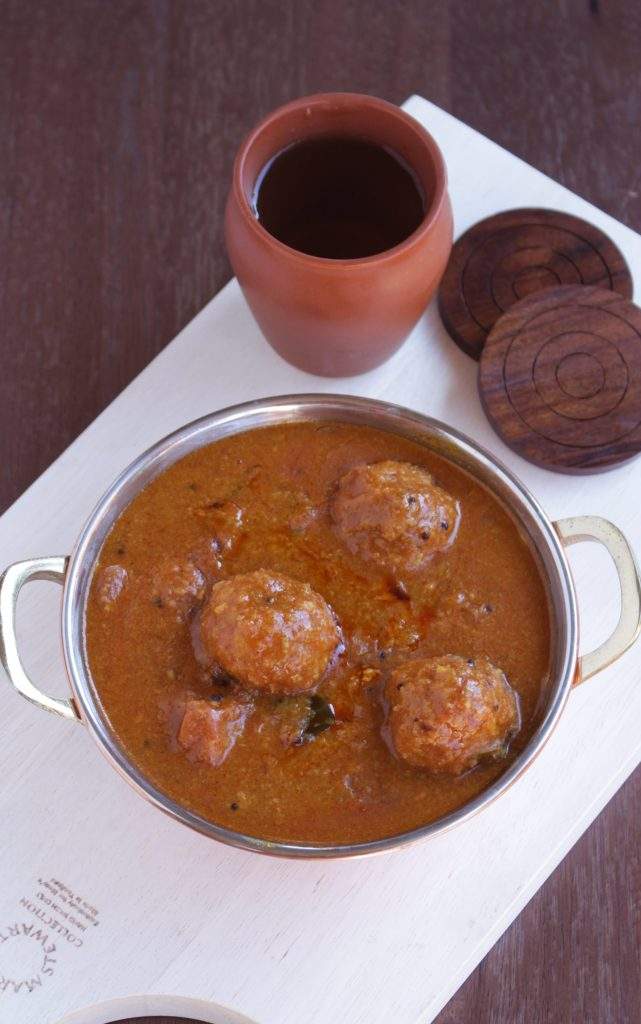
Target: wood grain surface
560, 378
119, 121
503, 259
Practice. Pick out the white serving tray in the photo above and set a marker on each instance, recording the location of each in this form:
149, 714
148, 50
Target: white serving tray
168, 911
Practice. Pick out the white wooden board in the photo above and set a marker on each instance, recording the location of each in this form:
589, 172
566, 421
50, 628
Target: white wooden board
103, 897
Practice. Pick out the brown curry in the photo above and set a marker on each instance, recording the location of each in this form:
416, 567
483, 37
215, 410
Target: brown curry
314, 761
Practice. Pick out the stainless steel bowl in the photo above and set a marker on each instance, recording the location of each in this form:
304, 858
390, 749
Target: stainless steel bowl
547, 539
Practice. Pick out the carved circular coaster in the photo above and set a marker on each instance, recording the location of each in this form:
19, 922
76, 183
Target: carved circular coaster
560, 379
514, 254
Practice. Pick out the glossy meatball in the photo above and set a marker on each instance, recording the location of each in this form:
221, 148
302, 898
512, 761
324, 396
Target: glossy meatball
269, 632
446, 713
394, 514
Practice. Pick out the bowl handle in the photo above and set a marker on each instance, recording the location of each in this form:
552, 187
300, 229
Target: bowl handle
11, 583
579, 528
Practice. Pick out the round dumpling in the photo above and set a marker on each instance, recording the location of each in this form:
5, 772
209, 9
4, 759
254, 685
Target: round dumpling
269, 632
394, 514
447, 713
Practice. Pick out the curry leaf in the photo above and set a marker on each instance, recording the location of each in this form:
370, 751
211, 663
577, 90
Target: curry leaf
321, 717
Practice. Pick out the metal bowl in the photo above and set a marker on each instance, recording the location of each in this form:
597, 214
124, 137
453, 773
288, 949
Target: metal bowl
548, 540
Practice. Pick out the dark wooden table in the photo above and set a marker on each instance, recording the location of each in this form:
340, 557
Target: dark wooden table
119, 121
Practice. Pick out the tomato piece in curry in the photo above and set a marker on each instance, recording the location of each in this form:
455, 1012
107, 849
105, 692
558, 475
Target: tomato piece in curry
315, 766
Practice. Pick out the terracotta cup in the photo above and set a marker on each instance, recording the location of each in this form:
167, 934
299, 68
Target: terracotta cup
330, 316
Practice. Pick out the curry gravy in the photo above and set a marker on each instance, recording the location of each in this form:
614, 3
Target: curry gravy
259, 499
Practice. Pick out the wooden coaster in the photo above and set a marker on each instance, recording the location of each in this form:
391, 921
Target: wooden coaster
514, 254
560, 379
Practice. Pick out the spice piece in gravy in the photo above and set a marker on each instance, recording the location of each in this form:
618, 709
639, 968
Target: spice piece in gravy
110, 584
209, 730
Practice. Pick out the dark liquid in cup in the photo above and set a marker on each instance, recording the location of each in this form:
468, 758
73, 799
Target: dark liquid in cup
341, 198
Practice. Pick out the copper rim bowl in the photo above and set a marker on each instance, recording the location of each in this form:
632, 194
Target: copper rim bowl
547, 539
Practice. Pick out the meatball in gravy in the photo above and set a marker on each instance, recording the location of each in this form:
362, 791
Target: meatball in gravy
447, 713
394, 514
179, 586
269, 632
209, 729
